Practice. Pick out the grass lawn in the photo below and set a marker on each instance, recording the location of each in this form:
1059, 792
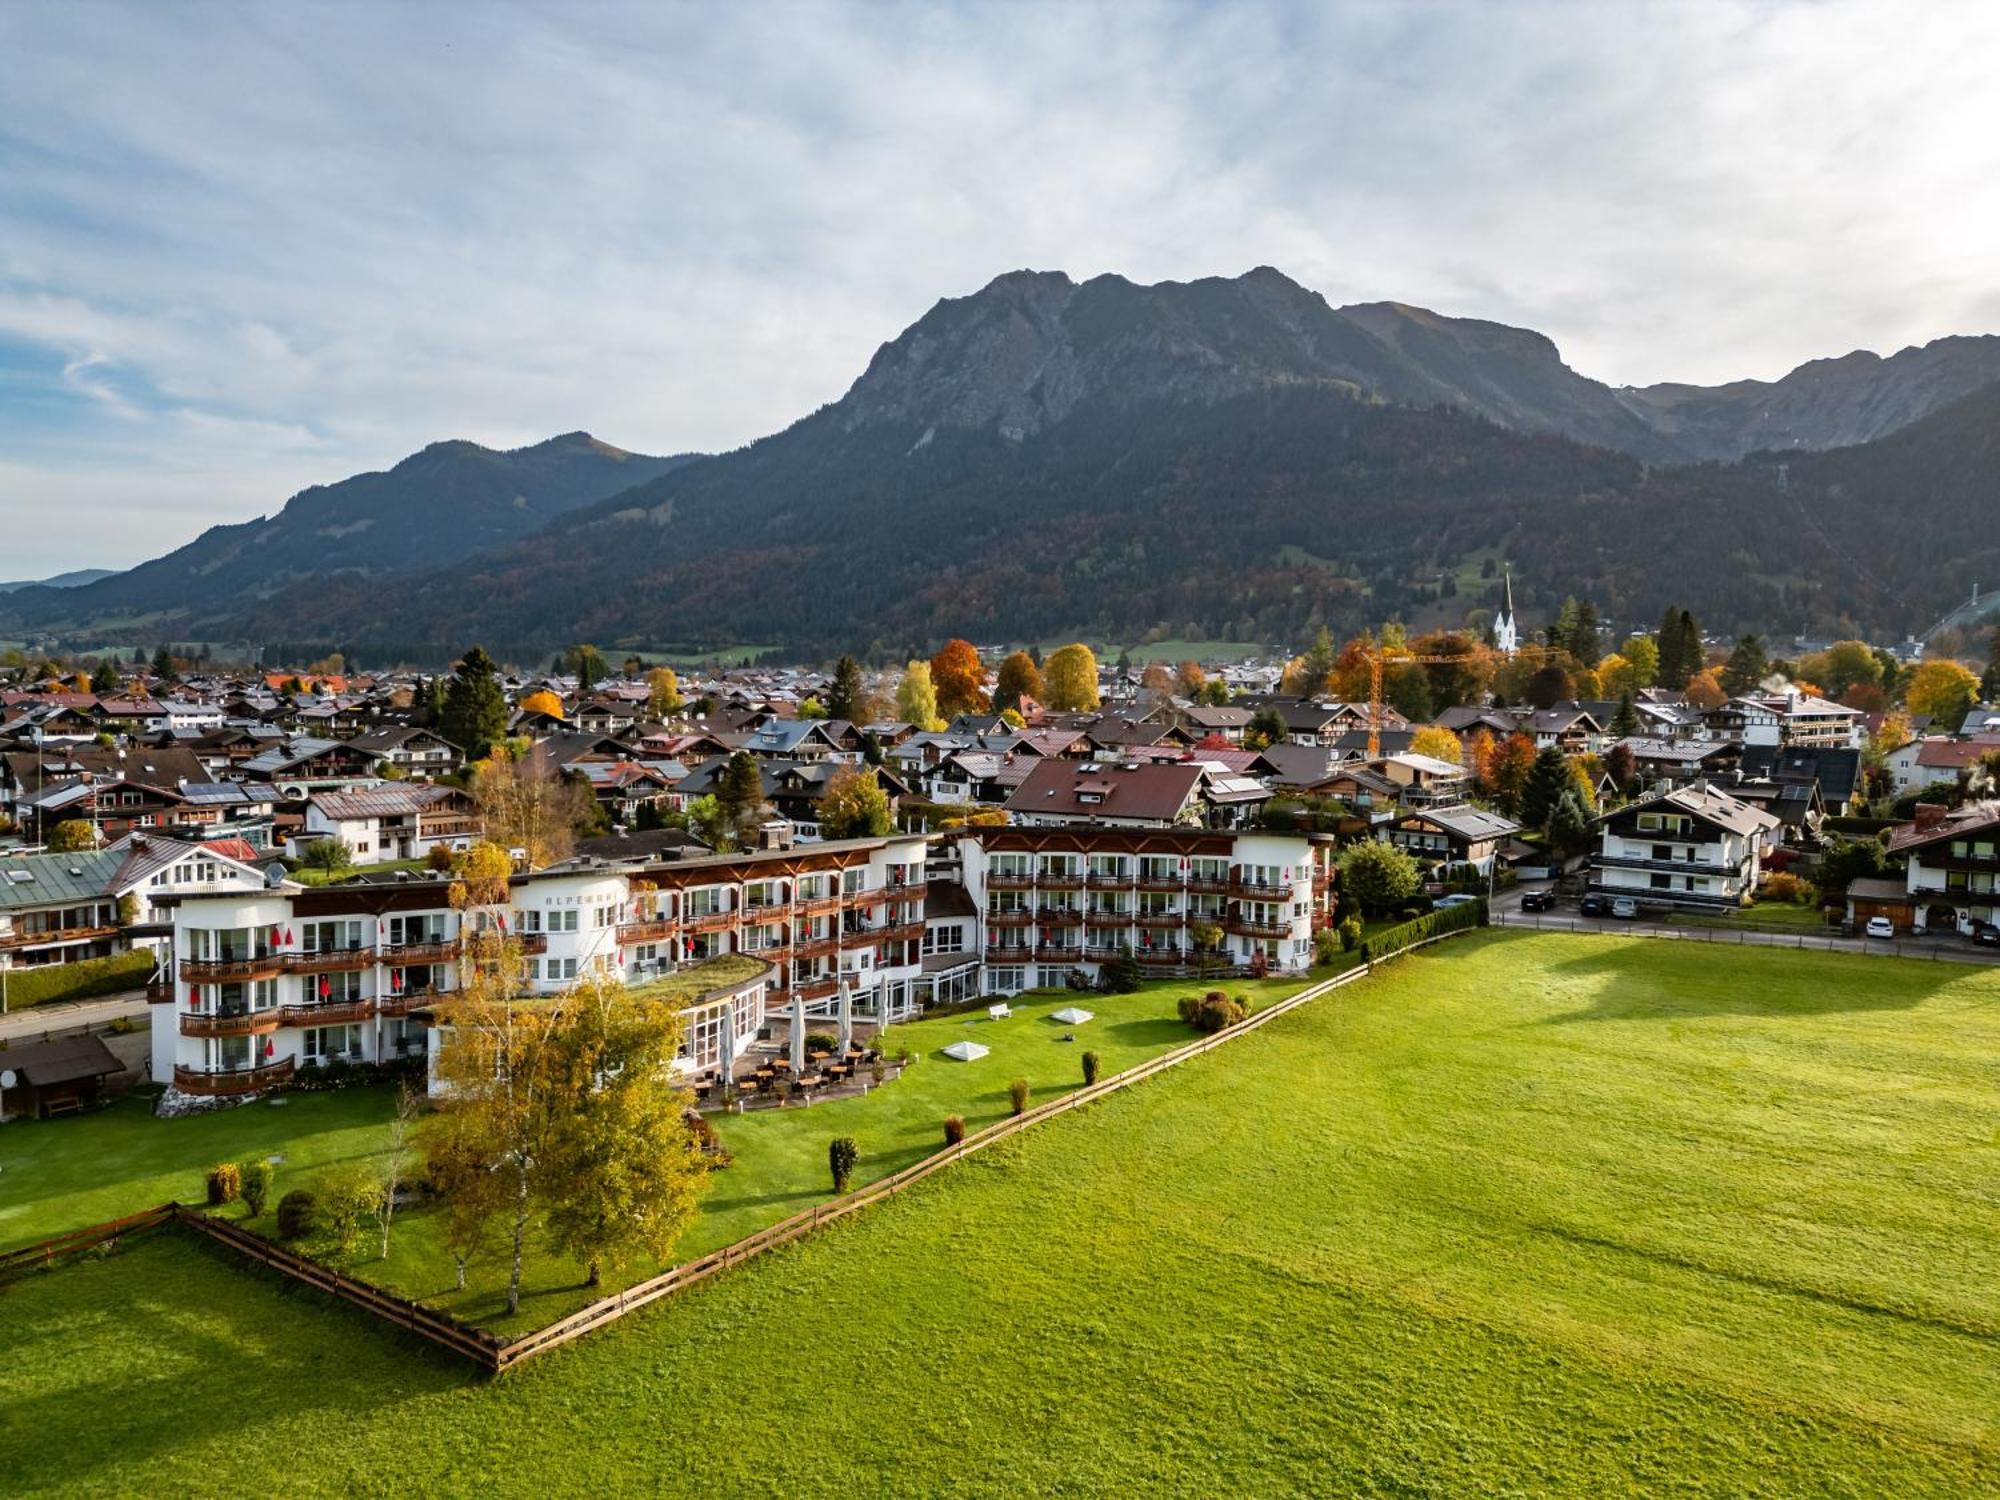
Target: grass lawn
779, 1156
1768, 916
1530, 1214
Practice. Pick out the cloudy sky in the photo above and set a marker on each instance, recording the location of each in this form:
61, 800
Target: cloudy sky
245, 248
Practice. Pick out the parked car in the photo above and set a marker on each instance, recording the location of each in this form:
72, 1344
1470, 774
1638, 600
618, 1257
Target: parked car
1594, 906
1539, 901
1881, 927
1987, 933
1625, 907
1448, 902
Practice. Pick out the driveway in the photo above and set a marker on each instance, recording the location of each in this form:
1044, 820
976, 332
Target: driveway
1506, 910
74, 1015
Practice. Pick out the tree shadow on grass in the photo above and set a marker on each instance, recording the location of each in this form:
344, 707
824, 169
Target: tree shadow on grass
1773, 982
1159, 1032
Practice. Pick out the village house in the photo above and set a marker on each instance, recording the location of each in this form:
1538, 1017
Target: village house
1952, 880
394, 821
1691, 846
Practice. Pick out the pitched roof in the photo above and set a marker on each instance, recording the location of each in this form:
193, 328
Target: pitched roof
64, 1060
397, 799
1709, 805
1153, 792
28, 880
1957, 823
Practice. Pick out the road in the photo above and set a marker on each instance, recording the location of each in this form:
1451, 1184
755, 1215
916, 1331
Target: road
1506, 908
72, 1015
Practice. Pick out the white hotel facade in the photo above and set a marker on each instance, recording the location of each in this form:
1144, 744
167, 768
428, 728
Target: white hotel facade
263, 983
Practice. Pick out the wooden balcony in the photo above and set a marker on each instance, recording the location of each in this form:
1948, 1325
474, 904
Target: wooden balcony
816, 947
1058, 953
1160, 919
410, 955
1060, 916
229, 1082
1059, 882
1172, 883
230, 970
1020, 917
714, 921
335, 961
1245, 927
409, 1000
901, 932
47, 935
650, 929
208, 1023
328, 1012
1018, 953
815, 989
1164, 957
1114, 880
876, 897
1111, 919
1205, 887
1099, 953
1251, 890
159, 992
1010, 882
822, 906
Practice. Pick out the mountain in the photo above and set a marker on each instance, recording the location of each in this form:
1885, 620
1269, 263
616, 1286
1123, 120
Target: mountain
71, 580
1827, 403
1218, 459
433, 509
1028, 348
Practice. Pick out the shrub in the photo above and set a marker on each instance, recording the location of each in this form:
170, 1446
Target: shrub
330, 855
821, 1041
1188, 1007
347, 1196
1326, 946
298, 1214
954, 1129
439, 859
1794, 890
224, 1184
841, 1155
1350, 934
1121, 976
878, 1069
1216, 1010
1090, 1065
81, 980
256, 1177
1017, 1095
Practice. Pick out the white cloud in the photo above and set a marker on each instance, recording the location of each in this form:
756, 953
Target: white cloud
278, 244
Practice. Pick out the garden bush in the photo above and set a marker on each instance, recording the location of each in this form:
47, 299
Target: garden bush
1792, 890
1213, 1011
1090, 1065
225, 1183
1432, 924
821, 1041
256, 1184
954, 1129
1326, 946
1017, 1095
347, 1196
841, 1155
77, 981
298, 1214
1350, 934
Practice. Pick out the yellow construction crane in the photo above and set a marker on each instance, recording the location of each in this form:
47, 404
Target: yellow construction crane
1400, 656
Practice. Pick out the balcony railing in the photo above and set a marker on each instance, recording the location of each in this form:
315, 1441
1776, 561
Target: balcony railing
1108, 918
1010, 882
1245, 927
1060, 882
1060, 916
327, 1012
1170, 957
208, 1023
1019, 917
1257, 890
1202, 885
819, 906
713, 921
227, 1082
815, 989
1158, 919
220, 970
1671, 866
335, 961
1161, 883
815, 947
1099, 953
1009, 953
32, 939
648, 930
408, 955
1059, 953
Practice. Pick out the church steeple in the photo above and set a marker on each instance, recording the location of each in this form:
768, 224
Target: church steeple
1506, 631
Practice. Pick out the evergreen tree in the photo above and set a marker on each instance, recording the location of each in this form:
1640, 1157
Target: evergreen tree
1670, 673
1585, 641
1626, 720
1409, 693
1569, 823
1319, 662
1747, 666
475, 710
843, 698
1989, 680
739, 792
1694, 655
1562, 634
107, 678
1548, 779
163, 667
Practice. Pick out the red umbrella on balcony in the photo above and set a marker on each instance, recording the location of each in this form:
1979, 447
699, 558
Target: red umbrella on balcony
268, 1048
395, 979
194, 996
325, 987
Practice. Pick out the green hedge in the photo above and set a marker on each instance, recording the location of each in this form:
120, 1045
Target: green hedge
1866, 827
78, 981
1433, 924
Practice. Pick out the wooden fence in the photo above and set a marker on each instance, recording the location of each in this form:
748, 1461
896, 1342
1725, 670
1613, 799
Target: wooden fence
488, 1352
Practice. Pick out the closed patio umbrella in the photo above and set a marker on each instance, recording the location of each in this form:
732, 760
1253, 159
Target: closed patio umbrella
966, 1051
1071, 1015
846, 1017
798, 1036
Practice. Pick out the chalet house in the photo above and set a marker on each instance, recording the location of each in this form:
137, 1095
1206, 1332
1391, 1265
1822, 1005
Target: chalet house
1572, 730
414, 750
1692, 846
302, 766
1936, 758
607, 715
1656, 760
622, 787
1423, 780
63, 908
806, 739
1324, 723
115, 806
1836, 770
1953, 875
398, 820
1450, 835
1121, 795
